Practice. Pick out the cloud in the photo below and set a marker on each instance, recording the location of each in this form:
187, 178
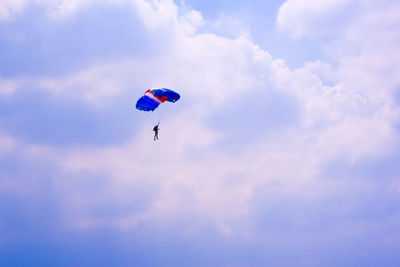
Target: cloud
7, 86
255, 157
299, 17
9, 8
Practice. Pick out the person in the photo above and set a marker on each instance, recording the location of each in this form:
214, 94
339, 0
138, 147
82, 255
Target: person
155, 129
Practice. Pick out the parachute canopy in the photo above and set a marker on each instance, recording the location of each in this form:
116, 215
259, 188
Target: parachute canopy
154, 97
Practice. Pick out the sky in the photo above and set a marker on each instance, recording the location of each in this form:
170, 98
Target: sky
283, 150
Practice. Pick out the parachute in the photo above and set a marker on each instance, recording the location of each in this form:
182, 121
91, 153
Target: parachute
154, 97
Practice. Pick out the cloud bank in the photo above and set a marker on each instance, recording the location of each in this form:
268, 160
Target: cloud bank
257, 164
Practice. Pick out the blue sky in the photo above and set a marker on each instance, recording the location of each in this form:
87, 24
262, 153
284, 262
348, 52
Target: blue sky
282, 151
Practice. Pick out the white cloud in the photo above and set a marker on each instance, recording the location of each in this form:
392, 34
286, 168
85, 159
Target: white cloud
363, 76
191, 21
303, 17
11, 8
96, 85
346, 118
7, 86
8, 8
226, 25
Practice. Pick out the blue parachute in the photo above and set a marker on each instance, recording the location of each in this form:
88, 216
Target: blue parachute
154, 97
